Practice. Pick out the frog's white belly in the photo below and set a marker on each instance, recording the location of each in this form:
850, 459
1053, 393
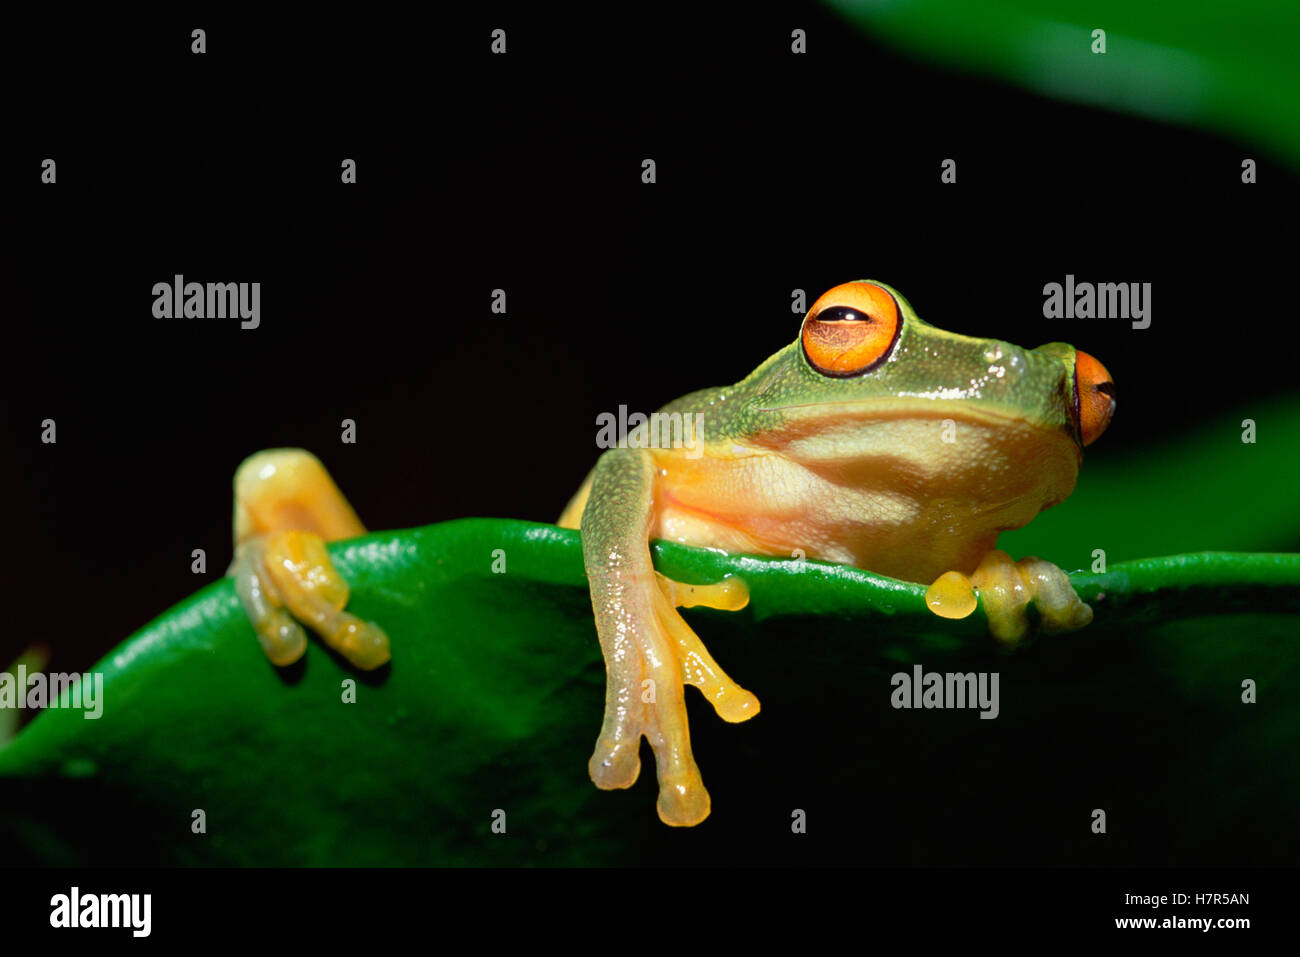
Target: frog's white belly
911, 506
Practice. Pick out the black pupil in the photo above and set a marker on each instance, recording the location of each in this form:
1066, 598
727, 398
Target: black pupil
842, 314
1107, 388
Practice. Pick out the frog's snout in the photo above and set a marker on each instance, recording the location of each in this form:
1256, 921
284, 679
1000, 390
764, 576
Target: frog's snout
1094, 397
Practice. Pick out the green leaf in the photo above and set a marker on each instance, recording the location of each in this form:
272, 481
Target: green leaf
494, 698
1180, 62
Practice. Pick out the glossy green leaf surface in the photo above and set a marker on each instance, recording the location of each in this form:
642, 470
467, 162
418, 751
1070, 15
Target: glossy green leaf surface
494, 697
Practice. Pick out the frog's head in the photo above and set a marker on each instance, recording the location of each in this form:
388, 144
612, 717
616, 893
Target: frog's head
869, 382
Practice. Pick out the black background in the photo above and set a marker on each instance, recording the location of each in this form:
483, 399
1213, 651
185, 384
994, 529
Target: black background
522, 172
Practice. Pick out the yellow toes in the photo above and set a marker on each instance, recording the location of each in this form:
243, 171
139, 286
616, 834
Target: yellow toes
361, 642
683, 800
732, 702
735, 705
730, 594
281, 638
1006, 596
951, 596
645, 698
614, 766
1007, 588
1058, 604
291, 572
299, 562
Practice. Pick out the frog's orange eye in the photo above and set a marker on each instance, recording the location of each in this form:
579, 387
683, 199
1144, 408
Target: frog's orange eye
850, 329
1094, 397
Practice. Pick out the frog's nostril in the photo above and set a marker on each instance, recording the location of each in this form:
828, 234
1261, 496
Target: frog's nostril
1094, 397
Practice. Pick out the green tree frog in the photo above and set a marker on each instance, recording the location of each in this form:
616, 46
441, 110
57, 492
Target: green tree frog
874, 439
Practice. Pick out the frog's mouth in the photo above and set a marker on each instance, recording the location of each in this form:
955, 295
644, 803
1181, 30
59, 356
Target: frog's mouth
928, 407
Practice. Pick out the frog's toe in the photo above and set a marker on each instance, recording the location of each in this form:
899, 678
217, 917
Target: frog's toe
683, 800
730, 594
1007, 587
645, 697
288, 575
615, 764
282, 639
731, 702
363, 643
1060, 608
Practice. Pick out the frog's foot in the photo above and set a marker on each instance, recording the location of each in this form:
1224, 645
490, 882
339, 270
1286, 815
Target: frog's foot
1007, 588
286, 508
656, 656
288, 575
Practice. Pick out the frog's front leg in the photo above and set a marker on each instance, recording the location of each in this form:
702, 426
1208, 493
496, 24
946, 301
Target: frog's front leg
286, 508
1007, 588
650, 652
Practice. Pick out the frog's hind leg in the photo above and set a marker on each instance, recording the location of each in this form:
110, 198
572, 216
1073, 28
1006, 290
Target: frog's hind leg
650, 652
286, 508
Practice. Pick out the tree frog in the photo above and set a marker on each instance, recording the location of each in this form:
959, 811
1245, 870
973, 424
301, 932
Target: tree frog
874, 439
